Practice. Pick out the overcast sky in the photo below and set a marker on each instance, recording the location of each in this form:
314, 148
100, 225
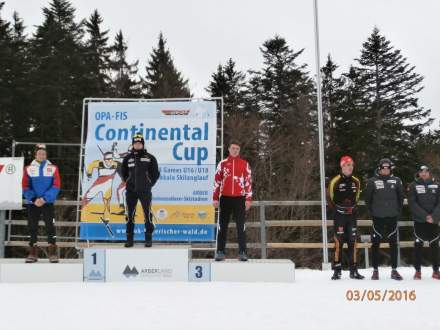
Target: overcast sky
203, 33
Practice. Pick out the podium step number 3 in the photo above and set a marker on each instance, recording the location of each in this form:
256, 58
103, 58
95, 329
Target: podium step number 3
199, 271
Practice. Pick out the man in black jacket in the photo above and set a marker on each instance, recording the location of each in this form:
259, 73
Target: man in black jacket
384, 199
343, 195
424, 202
140, 172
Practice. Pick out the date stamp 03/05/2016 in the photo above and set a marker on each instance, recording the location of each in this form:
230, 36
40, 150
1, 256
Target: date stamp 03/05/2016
380, 295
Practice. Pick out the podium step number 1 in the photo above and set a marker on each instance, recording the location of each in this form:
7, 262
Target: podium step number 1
94, 265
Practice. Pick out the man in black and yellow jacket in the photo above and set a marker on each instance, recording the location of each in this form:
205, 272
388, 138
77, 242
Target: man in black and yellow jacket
343, 194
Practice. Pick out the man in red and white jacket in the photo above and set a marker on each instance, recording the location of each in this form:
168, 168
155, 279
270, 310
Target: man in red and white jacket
233, 194
41, 185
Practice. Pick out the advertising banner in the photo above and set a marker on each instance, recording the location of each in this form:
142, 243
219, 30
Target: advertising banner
182, 136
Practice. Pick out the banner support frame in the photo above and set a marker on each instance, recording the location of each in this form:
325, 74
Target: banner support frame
88, 100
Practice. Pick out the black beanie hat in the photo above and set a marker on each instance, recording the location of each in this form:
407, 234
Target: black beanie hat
39, 146
384, 161
138, 138
422, 168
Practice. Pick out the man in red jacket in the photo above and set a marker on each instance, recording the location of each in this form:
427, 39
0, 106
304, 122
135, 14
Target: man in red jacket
41, 185
233, 194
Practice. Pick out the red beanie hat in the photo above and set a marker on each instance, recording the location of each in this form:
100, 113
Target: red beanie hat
345, 159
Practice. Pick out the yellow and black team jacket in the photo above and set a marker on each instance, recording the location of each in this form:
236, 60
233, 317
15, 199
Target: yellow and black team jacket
343, 193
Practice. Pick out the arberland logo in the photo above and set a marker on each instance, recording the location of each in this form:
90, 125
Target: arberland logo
156, 272
95, 275
169, 112
130, 271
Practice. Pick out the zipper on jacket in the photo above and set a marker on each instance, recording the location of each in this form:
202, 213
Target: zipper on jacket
135, 172
41, 168
233, 174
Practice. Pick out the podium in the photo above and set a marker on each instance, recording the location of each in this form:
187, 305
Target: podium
232, 270
158, 263
174, 263
254, 270
17, 271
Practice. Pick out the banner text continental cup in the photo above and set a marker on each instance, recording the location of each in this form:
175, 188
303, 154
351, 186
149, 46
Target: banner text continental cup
185, 136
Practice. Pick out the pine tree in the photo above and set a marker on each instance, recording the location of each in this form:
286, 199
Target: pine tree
332, 100
229, 83
349, 133
124, 82
283, 94
58, 75
20, 68
392, 118
14, 82
6, 58
428, 150
282, 85
97, 56
342, 108
162, 79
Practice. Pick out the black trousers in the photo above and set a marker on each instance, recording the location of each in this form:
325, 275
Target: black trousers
384, 229
426, 232
345, 231
235, 206
132, 198
34, 215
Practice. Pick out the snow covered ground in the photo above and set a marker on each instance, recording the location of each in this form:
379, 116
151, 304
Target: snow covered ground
312, 302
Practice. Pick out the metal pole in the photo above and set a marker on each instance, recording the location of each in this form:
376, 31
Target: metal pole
263, 231
78, 196
398, 245
14, 144
110, 99
325, 263
2, 232
217, 227
222, 123
367, 261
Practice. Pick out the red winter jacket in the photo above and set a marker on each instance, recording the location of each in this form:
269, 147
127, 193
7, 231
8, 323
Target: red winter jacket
233, 179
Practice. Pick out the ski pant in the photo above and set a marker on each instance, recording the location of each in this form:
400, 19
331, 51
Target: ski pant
384, 228
426, 232
132, 198
34, 215
345, 231
234, 206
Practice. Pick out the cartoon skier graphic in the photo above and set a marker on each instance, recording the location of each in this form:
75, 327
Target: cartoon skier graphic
120, 190
107, 169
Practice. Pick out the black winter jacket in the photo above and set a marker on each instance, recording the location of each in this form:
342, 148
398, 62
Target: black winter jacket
140, 171
384, 196
424, 200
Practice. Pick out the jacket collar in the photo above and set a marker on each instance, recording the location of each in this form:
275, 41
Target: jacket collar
233, 158
345, 176
139, 152
383, 177
420, 181
43, 163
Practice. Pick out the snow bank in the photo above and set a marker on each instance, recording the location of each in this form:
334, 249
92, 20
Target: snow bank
312, 302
